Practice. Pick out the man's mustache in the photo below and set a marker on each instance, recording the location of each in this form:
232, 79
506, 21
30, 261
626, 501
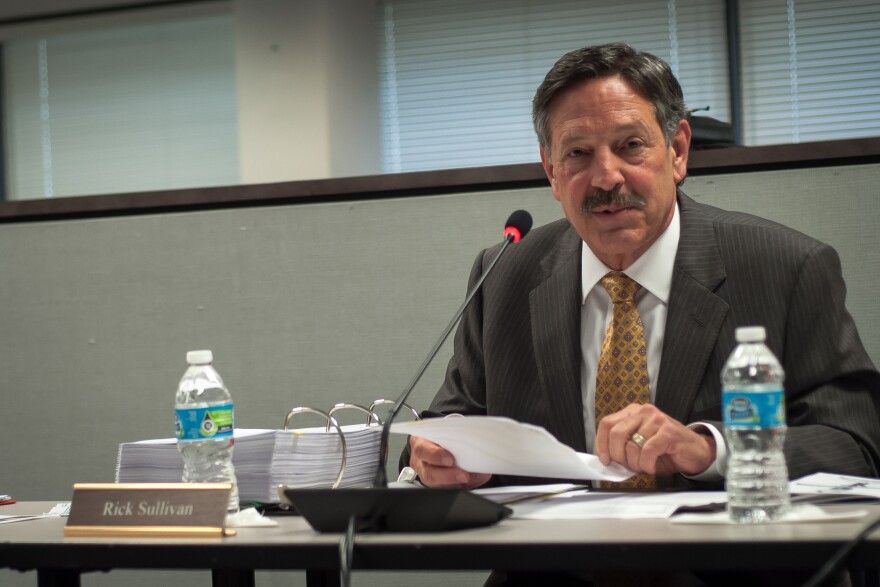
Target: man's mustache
598, 198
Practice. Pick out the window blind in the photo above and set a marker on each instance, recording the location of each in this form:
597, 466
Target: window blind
457, 77
811, 70
143, 106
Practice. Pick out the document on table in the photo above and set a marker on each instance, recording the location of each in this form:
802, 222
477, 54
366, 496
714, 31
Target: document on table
574, 502
58, 510
836, 485
489, 444
798, 514
583, 504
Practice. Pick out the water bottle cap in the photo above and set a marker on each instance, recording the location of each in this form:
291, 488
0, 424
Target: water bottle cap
750, 334
199, 357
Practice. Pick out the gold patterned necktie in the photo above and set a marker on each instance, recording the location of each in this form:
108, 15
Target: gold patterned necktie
622, 375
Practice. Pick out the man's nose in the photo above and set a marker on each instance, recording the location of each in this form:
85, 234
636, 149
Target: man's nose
606, 171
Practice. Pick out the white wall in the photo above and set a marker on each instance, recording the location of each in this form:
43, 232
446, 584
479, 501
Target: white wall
307, 80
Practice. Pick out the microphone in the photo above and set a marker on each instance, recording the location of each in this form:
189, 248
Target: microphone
380, 508
517, 226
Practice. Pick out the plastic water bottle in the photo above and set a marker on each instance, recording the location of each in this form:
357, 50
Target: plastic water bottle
205, 424
754, 426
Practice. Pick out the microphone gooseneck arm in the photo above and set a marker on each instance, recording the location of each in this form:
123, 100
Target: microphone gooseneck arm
381, 479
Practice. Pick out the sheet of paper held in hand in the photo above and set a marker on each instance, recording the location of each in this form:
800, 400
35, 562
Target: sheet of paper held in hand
488, 444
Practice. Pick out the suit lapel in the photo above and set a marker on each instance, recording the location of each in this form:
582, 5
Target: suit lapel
555, 314
695, 313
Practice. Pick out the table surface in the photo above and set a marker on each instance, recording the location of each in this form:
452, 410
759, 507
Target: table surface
513, 544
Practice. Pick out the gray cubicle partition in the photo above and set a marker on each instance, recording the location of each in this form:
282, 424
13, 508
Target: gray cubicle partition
306, 304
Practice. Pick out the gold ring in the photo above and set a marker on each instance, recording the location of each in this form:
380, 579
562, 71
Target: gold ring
639, 440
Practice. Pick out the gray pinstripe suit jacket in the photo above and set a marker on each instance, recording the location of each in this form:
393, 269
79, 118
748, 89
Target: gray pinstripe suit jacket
517, 349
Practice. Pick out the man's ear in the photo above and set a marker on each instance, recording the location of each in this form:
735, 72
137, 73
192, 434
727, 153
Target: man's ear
681, 144
547, 164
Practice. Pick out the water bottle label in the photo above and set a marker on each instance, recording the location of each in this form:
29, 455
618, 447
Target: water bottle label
204, 423
764, 409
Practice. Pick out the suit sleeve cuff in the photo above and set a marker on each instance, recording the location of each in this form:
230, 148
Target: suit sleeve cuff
715, 471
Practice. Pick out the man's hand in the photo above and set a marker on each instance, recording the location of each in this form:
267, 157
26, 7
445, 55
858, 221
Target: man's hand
670, 446
436, 466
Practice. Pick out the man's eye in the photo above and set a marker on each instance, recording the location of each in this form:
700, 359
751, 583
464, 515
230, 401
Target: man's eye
576, 153
632, 145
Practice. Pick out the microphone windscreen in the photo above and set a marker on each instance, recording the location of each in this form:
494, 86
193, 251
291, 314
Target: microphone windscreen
518, 225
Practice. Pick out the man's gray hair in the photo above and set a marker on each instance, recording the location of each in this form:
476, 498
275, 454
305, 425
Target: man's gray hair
648, 75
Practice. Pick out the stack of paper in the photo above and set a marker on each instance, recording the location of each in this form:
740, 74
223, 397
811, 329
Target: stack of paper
264, 459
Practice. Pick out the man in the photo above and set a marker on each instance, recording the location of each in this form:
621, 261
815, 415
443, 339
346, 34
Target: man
614, 144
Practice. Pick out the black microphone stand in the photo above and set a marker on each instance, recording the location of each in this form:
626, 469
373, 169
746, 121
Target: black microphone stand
380, 508
381, 479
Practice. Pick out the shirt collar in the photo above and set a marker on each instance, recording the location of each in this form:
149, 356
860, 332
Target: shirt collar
653, 270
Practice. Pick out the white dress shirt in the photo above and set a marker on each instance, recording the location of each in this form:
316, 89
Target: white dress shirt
653, 272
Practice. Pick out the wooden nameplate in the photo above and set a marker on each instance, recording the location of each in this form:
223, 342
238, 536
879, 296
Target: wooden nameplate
191, 510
